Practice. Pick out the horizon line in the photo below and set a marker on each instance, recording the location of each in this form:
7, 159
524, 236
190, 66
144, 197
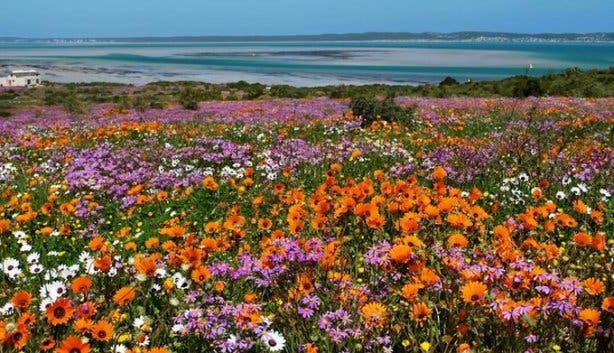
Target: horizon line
281, 36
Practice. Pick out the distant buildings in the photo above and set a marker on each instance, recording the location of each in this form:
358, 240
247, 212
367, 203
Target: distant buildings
20, 78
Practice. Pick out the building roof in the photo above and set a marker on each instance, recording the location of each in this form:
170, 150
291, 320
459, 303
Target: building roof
22, 73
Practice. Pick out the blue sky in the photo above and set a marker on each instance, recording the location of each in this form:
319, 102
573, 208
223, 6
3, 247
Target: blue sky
124, 18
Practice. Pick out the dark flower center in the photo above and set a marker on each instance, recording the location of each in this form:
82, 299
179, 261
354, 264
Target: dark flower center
272, 343
102, 334
75, 350
59, 312
475, 298
17, 336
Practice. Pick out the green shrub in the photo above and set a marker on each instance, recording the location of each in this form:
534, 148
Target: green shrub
448, 81
73, 104
371, 109
527, 87
140, 103
53, 97
155, 103
188, 98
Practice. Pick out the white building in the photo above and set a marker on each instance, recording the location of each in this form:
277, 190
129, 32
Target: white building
21, 78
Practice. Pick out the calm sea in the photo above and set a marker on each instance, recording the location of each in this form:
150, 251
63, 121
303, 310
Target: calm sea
301, 63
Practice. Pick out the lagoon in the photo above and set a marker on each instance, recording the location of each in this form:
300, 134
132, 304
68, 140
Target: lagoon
307, 63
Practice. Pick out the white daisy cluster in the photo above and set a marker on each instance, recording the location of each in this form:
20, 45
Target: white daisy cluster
268, 168
234, 171
576, 189
7, 171
516, 188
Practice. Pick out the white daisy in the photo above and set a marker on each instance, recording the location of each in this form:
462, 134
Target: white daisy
605, 193
25, 247
178, 328
20, 234
53, 290
67, 272
33, 258
273, 340
11, 268
36, 269
143, 342
45, 302
140, 321
160, 273
180, 281
7, 309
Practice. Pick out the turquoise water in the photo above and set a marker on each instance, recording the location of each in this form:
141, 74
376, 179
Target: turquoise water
302, 63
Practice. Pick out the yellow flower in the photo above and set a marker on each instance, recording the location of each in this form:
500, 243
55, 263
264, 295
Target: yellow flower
124, 338
425, 346
168, 284
405, 343
556, 348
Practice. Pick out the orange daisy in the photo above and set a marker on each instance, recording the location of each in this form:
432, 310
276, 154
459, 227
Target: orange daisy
158, 350
81, 285
22, 299
474, 292
124, 295
410, 291
47, 344
27, 319
439, 174
374, 314
83, 325
589, 316
102, 331
608, 305
400, 253
594, 286
420, 312
457, 241
19, 338
73, 344
60, 312
201, 274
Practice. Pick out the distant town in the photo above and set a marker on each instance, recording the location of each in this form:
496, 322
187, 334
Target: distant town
368, 36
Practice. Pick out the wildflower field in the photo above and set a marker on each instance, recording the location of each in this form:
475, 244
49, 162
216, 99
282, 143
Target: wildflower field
480, 225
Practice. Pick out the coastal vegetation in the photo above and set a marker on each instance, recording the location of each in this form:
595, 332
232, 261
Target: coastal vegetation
77, 96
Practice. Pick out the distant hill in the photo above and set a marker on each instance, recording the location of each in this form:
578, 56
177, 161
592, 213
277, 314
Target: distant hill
368, 36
